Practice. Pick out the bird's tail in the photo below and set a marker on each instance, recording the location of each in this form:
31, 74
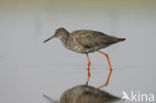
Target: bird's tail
122, 39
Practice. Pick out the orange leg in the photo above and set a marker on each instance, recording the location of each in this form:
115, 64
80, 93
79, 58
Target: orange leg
110, 67
88, 69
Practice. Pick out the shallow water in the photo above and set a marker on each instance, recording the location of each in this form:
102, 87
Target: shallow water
29, 68
29, 83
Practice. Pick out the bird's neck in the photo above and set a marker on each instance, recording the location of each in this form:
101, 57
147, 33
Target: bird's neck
64, 37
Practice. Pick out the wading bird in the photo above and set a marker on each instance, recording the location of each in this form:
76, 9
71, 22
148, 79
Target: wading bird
86, 41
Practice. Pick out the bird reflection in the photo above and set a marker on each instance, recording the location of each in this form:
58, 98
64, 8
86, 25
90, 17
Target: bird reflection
85, 94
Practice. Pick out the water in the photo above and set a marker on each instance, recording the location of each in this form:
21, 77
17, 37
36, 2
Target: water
30, 68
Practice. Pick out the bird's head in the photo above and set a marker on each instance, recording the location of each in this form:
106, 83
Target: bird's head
59, 33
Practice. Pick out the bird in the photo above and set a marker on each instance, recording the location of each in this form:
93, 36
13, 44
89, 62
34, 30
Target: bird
86, 41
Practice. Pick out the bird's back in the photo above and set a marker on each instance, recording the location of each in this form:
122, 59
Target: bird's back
90, 41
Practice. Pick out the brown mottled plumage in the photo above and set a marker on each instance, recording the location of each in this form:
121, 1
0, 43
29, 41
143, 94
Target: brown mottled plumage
85, 41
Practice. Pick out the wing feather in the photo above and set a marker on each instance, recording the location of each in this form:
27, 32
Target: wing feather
89, 38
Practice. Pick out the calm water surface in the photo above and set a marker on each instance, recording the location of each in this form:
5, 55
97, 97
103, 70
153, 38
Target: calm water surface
29, 68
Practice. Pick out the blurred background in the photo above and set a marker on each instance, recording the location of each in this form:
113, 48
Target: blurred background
29, 68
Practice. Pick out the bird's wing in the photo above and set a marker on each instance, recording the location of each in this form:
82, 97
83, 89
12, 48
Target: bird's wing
89, 38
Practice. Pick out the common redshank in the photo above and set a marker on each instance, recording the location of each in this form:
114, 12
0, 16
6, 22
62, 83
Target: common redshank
86, 41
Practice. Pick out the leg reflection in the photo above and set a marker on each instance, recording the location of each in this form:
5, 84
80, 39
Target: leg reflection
108, 78
88, 69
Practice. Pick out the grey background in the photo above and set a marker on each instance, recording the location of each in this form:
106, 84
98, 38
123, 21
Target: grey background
29, 68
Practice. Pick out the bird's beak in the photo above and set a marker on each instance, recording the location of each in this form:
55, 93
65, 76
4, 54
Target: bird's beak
53, 36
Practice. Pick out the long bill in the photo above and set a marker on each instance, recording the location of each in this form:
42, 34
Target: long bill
49, 38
